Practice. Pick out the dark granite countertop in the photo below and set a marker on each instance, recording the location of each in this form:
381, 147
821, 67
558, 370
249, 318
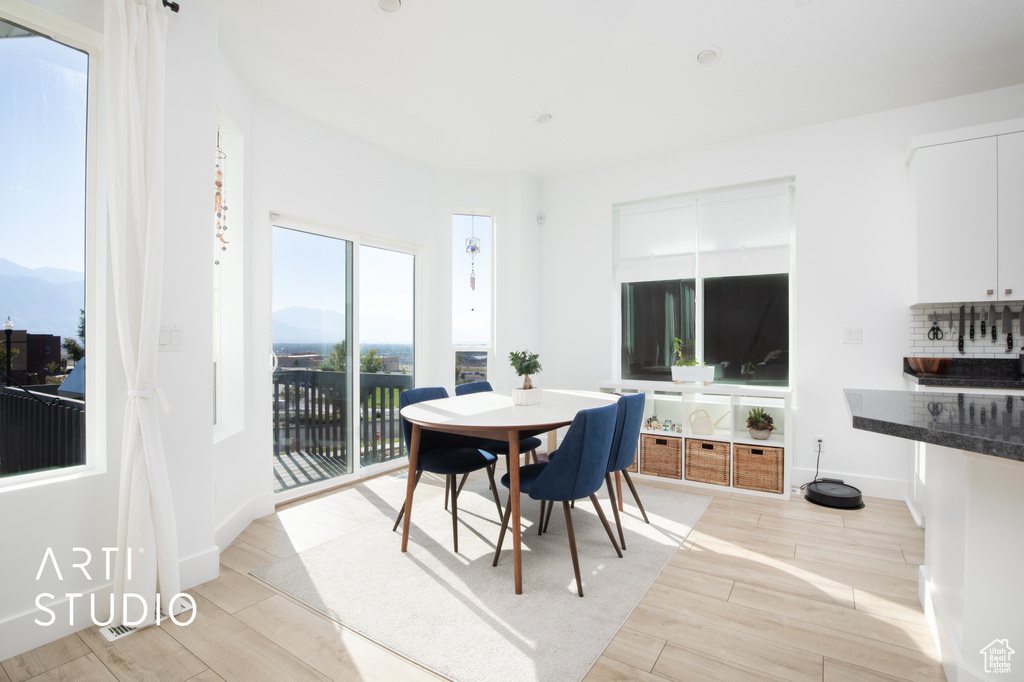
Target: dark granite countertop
995, 374
986, 423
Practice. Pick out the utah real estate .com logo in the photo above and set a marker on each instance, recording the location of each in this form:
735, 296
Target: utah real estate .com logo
50, 560
997, 656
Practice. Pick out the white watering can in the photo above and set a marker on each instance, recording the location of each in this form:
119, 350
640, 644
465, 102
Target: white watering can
701, 424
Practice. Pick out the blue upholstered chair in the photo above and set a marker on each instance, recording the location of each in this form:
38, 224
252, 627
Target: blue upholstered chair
498, 447
577, 472
445, 454
624, 443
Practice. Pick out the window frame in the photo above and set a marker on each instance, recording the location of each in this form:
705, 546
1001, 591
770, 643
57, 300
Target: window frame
79, 37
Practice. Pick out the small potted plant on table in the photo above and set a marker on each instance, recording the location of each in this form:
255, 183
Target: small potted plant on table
525, 363
759, 424
687, 368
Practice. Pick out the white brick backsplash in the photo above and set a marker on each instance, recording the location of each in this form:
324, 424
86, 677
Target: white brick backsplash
920, 345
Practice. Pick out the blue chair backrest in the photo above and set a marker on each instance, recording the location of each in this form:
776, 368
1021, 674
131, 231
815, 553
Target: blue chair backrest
627, 431
473, 387
429, 439
579, 469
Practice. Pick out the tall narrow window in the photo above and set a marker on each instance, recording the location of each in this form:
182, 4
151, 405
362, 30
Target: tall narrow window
43, 115
472, 247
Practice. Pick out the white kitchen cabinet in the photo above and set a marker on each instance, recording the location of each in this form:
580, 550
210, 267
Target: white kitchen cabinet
1011, 216
969, 214
957, 224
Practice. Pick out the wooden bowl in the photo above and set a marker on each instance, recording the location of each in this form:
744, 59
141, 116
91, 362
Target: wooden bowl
930, 365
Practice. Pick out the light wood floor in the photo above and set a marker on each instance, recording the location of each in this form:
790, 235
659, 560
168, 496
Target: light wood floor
761, 590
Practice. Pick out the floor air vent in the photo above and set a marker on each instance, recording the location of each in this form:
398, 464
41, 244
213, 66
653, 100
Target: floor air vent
116, 632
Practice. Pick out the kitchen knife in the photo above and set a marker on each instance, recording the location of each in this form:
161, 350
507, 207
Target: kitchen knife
1008, 327
992, 321
972, 323
960, 339
986, 316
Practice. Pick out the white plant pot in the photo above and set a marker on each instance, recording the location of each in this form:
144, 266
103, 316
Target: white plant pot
525, 396
693, 373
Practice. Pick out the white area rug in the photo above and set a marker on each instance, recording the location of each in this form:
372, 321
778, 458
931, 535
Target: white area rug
459, 616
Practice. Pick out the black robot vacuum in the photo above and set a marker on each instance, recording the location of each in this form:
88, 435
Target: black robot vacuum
832, 492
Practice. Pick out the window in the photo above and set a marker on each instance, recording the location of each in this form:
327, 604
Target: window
711, 270
44, 93
472, 256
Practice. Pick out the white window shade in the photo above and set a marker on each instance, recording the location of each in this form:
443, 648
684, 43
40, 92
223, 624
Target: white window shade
656, 268
657, 229
744, 219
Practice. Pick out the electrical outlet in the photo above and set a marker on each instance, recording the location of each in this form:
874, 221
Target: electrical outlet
819, 443
794, 490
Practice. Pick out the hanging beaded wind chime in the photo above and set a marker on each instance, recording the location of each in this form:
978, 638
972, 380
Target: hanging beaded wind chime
220, 206
472, 248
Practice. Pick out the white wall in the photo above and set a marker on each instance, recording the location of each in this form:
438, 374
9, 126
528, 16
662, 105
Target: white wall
853, 265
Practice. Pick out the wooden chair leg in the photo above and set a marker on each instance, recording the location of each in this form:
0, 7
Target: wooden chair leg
401, 512
615, 509
547, 517
540, 521
501, 535
572, 547
494, 489
461, 483
455, 515
447, 492
533, 456
607, 528
636, 497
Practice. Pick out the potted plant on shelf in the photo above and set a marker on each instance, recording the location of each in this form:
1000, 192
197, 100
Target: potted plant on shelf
525, 363
759, 423
686, 367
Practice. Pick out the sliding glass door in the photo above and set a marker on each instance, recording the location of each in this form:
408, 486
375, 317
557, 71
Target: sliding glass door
312, 332
343, 349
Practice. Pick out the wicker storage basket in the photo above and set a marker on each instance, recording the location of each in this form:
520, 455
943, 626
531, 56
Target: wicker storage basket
757, 468
661, 455
635, 466
707, 461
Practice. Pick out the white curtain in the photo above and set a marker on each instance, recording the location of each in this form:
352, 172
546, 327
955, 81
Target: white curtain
135, 57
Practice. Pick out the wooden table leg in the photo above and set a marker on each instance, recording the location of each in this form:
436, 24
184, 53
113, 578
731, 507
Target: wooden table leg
552, 440
513, 499
414, 457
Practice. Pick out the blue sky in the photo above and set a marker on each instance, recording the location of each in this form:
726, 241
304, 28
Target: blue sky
43, 97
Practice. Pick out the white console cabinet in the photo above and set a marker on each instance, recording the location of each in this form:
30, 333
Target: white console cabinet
697, 434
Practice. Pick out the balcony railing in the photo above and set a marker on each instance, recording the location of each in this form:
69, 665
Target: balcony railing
311, 416
39, 431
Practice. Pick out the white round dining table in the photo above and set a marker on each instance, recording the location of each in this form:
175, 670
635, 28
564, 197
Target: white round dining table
490, 414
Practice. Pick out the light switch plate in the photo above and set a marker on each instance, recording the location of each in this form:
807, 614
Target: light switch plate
170, 338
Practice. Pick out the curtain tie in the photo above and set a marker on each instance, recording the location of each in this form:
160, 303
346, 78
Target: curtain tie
150, 393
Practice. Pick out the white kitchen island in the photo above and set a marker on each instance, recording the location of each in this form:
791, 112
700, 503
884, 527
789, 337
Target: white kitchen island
971, 583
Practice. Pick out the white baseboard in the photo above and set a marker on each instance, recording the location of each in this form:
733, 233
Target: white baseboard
230, 529
870, 486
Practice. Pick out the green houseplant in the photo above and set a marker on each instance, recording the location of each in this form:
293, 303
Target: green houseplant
525, 363
759, 423
686, 367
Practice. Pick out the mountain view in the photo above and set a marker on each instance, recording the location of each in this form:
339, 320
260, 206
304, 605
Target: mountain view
41, 300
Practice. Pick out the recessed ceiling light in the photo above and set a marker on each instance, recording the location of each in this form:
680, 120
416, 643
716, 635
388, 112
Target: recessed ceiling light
544, 117
387, 6
706, 55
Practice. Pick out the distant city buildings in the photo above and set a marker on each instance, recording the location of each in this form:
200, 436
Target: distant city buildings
33, 354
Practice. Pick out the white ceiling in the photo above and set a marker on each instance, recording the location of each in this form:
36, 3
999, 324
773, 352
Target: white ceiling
458, 83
